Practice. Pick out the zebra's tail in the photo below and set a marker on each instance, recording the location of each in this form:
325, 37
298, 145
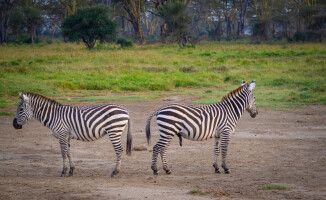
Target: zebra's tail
129, 139
148, 128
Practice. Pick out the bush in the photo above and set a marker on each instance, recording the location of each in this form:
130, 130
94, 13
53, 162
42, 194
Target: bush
124, 42
49, 41
259, 32
24, 39
306, 36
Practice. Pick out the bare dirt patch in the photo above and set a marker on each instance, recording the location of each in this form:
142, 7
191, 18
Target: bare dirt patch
285, 148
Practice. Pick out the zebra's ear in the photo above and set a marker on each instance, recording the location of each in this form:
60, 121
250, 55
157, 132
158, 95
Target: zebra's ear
24, 97
252, 85
243, 82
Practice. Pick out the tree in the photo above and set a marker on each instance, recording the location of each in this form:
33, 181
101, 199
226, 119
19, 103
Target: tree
5, 7
242, 18
263, 10
134, 11
89, 25
204, 17
163, 27
281, 19
313, 13
32, 18
69, 6
54, 14
16, 22
177, 20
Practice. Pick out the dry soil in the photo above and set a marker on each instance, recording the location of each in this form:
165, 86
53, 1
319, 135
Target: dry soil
284, 148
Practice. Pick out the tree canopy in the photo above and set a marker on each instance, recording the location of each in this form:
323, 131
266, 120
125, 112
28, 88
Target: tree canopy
152, 21
89, 25
177, 19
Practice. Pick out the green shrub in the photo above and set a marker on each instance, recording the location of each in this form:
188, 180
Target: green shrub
306, 36
24, 39
124, 42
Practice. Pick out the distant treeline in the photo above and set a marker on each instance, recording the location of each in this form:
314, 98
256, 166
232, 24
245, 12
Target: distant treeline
184, 21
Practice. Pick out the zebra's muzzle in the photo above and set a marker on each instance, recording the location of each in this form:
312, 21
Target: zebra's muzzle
16, 125
254, 114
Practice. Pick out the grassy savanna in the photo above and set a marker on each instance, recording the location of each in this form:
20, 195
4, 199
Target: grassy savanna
286, 74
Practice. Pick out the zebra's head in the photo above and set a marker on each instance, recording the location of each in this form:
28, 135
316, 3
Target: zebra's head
24, 112
251, 106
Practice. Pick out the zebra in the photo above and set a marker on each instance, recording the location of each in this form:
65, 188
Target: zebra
81, 123
201, 123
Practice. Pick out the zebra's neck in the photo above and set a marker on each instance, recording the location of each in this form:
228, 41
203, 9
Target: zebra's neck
44, 109
236, 104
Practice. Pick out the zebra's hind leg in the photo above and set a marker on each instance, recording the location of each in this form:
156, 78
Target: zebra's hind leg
216, 152
115, 138
63, 140
161, 147
156, 150
72, 165
225, 137
163, 156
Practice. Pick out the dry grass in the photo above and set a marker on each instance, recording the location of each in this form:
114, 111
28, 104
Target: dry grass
216, 192
140, 148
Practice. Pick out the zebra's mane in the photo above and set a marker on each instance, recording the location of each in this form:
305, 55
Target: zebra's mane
33, 94
234, 93
36, 95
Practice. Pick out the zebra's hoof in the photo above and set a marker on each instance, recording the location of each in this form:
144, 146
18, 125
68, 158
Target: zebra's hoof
155, 173
112, 175
62, 175
168, 171
227, 171
71, 171
217, 171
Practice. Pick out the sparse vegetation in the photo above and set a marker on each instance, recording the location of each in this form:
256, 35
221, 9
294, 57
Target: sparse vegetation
218, 192
215, 192
275, 187
140, 148
6, 114
197, 192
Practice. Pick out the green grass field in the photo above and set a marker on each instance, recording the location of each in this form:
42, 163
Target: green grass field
286, 74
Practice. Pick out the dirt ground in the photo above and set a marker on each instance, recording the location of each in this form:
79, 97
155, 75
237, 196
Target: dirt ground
286, 148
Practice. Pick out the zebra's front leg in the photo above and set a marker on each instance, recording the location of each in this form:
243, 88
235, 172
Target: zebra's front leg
225, 137
72, 165
116, 142
63, 140
216, 152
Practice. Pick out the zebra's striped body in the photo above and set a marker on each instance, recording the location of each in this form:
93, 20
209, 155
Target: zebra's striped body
201, 123
81, 123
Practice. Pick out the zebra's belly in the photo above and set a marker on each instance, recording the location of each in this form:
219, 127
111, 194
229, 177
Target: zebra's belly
196, 137
86, 136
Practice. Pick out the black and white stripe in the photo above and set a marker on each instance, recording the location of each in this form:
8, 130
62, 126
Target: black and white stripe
201, 123
81, 123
